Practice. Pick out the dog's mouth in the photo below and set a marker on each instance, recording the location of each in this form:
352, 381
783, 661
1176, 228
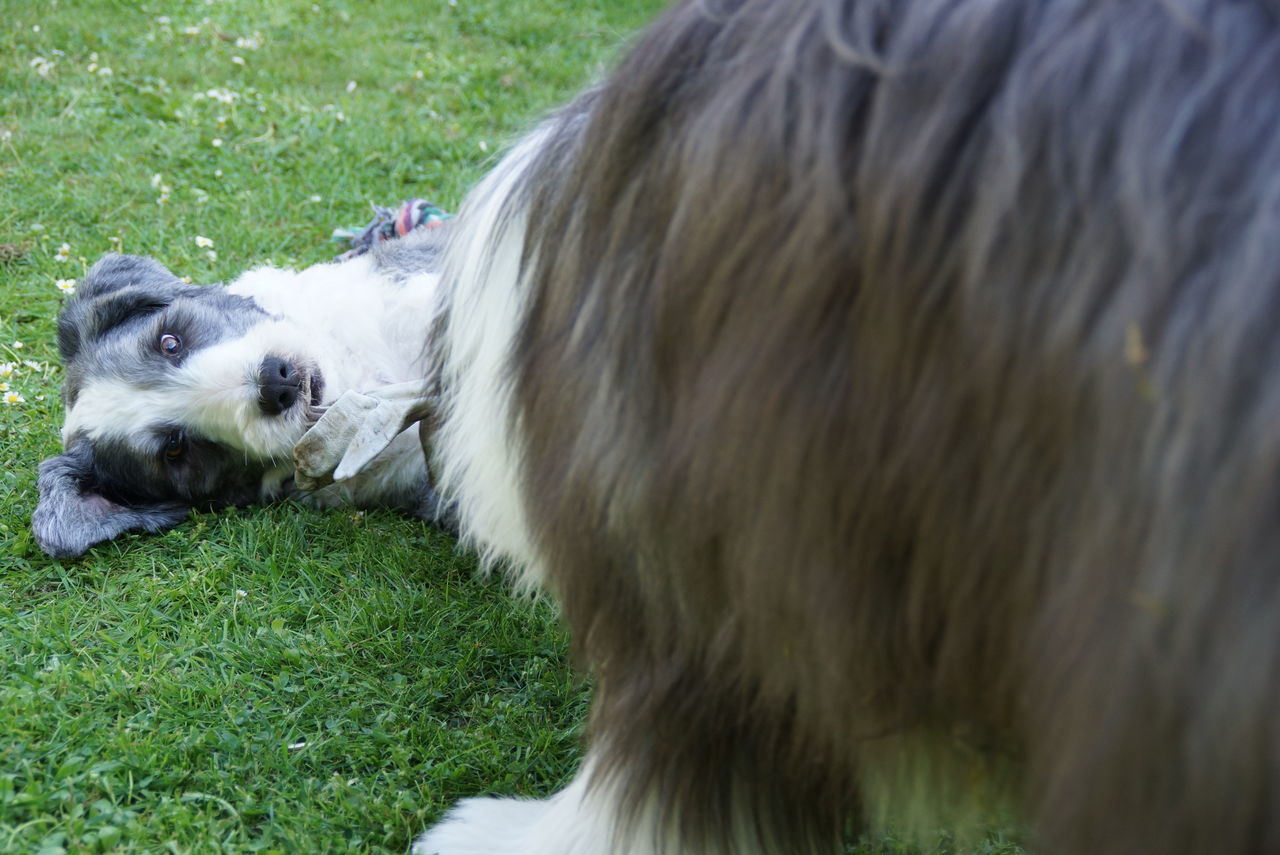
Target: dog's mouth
315, 388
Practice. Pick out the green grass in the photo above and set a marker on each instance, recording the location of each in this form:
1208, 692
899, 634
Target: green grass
277, 679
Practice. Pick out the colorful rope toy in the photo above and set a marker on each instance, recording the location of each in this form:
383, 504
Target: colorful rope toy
387, 224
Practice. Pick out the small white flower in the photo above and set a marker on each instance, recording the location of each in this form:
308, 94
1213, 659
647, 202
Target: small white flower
317, 198
217, 173
17, 345
66, 286
191, 31
32, 364
35, 28
186, 279
351, 86
241, 593
216, 142
418, 75
64, 252
91, 67
105, 72
156, 180
163, 20
6, 369
484, 146
213, 255
221, 95
4, 387
237, 60
13, 398
203, 242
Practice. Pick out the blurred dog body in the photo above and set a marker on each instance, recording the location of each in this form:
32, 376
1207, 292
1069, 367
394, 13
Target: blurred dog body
889, 394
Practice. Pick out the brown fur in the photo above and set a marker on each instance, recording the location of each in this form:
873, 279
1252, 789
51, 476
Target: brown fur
902, 398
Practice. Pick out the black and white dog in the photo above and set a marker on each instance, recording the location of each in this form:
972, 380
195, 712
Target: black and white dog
180, 396
889, 392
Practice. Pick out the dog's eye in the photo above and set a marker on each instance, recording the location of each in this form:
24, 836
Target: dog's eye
175, 445
170, 344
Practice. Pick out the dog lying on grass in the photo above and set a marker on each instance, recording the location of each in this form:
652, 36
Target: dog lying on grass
180, 396
888, 391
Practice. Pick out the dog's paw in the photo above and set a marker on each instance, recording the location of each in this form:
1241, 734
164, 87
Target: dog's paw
487, 827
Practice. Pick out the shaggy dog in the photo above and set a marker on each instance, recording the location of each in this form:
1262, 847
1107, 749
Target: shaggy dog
889, 393
181, 396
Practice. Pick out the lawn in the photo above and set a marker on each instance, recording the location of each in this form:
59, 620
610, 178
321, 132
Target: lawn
275, 679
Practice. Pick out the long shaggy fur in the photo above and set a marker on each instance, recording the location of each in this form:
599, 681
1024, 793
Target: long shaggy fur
889, 391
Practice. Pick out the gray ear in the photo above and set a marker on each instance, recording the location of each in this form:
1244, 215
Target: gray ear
114, 271
71, 516
116, 289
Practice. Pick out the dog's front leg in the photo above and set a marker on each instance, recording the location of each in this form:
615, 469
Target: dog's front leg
592, 816
578, 820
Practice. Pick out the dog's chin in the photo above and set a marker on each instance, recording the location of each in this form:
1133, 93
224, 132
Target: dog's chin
271, 439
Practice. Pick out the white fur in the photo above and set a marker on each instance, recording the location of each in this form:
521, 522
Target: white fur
363, 329
575, 821
477, 455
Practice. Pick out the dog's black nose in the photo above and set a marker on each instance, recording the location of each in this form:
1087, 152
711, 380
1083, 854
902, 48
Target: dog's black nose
279, 384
